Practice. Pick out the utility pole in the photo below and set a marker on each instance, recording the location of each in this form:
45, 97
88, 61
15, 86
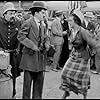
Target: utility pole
20, 4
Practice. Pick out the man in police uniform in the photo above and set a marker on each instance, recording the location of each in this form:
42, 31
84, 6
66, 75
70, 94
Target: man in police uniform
9, 27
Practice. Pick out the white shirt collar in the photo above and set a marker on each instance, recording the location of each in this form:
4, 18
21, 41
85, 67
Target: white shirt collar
37, 21
86, 22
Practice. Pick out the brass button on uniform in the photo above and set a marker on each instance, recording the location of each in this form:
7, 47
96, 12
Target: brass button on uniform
8, 40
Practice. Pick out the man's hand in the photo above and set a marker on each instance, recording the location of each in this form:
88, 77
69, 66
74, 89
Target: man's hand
35, 48
6, 51
64, 32
47, 46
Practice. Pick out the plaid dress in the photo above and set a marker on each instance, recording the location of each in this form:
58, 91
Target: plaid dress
75, 75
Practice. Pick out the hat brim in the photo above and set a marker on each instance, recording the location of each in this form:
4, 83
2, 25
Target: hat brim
79, 15
89, 16
10, 10
59, 14
37, 7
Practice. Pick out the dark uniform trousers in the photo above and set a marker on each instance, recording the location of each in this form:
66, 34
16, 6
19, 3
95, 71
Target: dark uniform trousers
38, 79
9, 41
14, 70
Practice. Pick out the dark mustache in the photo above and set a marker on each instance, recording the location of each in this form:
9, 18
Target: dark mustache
12, 18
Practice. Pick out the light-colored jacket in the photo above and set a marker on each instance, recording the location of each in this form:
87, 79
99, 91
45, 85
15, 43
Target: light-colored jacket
56, 29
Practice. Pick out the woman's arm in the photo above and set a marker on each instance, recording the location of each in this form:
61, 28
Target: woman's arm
89, 39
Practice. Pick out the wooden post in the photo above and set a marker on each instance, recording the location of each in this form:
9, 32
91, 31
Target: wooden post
20, 4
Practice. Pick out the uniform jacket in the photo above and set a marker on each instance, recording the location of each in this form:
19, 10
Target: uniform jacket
8, 34
56, 29
9, 41
81, 40
31, 60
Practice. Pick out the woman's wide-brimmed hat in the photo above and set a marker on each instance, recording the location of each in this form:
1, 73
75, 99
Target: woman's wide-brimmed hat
39, 4
9, 6
79, 14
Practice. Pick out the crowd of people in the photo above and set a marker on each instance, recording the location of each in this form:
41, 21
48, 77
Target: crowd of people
26, 38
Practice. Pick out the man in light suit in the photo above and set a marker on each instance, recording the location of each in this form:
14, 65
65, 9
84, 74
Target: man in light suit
57, 38
90, 26
33, 59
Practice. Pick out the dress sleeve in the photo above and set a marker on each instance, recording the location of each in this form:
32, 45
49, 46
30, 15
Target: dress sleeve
94, 43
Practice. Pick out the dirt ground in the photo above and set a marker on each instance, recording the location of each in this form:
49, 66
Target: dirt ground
52, 83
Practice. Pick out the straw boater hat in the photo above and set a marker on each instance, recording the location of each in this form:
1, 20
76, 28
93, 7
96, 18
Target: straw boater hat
79, 14
38, 4
9, 6
20, 10
98, 16
89, 14
59, 12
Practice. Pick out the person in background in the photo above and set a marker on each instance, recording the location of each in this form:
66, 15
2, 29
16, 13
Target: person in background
27, 15
90, 26
9, 27
97, 54
32, 36
65, 48
75, 75
57, 38
45, 22
19, 14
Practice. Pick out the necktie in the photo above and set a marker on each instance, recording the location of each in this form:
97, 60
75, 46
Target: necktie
41, 36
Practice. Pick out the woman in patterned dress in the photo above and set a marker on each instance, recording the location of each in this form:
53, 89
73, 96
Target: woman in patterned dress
75, 75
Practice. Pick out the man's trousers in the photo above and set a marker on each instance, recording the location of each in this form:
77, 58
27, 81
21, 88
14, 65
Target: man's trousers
38, 80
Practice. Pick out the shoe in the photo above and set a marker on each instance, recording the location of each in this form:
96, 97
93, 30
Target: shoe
59, 68
55, 70
46, 70
94, 72
98, 73
14, 97
66, 94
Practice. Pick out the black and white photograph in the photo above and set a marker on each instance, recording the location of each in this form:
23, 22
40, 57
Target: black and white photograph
49, 49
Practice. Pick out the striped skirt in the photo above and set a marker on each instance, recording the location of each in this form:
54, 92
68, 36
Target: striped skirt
75, 75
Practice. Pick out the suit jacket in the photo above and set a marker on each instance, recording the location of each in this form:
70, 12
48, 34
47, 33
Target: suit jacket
56, 29
31, 60
9, 41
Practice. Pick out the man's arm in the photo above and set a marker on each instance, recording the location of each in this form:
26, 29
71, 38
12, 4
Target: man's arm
22, 37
